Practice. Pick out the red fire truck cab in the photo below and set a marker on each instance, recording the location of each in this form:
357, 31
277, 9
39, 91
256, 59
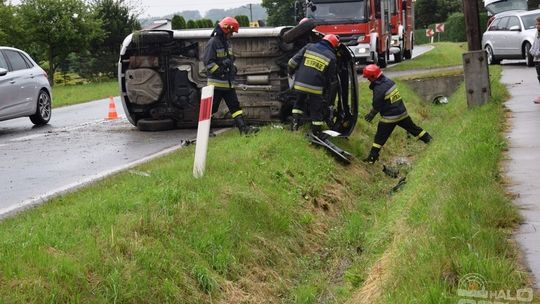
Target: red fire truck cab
372, 29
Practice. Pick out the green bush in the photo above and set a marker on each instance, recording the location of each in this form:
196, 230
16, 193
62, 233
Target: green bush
243, 20
191, 24
178, 22
454, 29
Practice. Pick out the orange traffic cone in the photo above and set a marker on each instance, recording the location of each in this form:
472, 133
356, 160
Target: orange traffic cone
112, 110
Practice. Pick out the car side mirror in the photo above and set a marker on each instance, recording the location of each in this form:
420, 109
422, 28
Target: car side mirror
515, 28
3, 72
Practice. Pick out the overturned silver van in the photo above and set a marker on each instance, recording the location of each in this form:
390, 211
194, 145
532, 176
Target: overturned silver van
161, 74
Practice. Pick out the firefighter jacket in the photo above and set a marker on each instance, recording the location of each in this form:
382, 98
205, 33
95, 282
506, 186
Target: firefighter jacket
387, 100
314, 67
218, 60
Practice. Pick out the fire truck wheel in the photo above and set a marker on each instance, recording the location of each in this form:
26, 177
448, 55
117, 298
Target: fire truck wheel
382, 60
407, 54
398, 57
298, 31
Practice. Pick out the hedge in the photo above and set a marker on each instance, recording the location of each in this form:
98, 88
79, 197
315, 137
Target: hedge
454, 29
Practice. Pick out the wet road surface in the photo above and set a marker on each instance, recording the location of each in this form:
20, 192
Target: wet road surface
77, 146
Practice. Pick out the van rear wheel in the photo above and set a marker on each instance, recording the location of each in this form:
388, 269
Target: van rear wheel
298, 31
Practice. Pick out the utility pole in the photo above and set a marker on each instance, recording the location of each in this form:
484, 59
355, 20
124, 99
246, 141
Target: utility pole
477, 86
250, 11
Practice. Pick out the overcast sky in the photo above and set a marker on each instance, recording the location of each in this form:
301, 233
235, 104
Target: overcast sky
165, 7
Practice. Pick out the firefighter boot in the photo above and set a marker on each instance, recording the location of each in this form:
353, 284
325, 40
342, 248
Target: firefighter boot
296, 121
426, 138
373, 156
243, 128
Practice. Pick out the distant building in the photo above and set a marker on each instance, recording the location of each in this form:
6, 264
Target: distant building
161, 24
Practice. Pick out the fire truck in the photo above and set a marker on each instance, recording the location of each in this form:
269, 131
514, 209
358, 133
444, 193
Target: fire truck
372, 29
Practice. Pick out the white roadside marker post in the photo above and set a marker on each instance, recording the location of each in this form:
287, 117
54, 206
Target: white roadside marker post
203, 131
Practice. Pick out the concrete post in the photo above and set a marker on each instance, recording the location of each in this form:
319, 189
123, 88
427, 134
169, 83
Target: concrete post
477, 86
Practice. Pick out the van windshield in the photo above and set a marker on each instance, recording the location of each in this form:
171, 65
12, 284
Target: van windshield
330, 11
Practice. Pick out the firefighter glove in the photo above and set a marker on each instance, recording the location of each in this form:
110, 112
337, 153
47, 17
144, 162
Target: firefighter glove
226, 63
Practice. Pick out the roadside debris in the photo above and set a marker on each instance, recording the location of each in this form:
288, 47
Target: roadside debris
400, 184
390, 171
323, 140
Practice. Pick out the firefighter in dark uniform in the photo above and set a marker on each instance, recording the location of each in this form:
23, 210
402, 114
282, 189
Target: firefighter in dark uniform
314, 68
387, 101
221, 71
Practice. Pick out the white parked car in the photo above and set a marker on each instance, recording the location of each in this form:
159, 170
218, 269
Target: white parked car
510, 36
24, 87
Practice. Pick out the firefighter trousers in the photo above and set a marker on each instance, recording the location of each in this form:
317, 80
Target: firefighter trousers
315, 105
385, 129
231, 99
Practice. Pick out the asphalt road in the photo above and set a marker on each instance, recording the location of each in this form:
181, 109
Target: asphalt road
78, 146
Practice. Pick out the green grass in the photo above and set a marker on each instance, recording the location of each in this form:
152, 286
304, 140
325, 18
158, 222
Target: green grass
453, 217
276, 220
444, 54
75, 94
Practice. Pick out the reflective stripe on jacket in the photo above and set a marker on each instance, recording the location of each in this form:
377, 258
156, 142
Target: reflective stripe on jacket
387, 100
314, 66
216, 51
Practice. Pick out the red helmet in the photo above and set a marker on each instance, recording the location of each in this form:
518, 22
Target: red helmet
229, 24
333, 39
372, 72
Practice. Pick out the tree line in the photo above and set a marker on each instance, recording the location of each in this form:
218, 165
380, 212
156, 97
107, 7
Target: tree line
84, 37
72, 35
179, 23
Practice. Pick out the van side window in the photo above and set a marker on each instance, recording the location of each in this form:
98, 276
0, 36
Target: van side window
16, 60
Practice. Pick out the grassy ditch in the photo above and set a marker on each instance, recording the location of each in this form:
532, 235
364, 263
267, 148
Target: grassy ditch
75, 94
444, 54
452, 219
275, 220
